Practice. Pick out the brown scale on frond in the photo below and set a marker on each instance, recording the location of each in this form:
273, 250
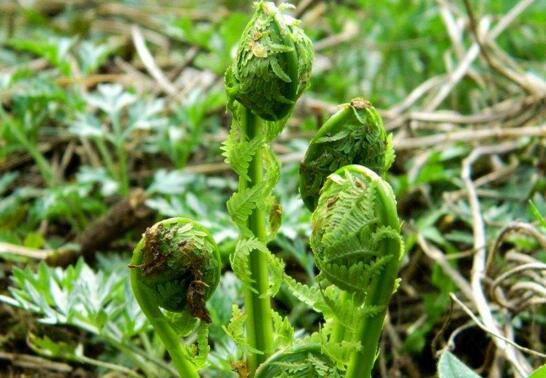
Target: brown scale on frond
196, 294
196, 300
155, 260
331, 202
241, 368
360, 103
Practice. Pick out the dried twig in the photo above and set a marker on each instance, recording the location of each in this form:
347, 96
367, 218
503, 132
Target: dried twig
498, 336
468, 136
473, 53
33, 362
149, 62
521, 366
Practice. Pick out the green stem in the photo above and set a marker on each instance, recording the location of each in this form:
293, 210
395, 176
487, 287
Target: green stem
338, 334
106, 157
122, 155
257, 301
379, 294
178, 352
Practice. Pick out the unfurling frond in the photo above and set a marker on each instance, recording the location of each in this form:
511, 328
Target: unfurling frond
354, 135
273, 63
355, 214
178, 264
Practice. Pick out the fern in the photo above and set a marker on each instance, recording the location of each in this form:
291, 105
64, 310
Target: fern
283, 331
236, 330
241, 267
242, 204
305, 293
201, 347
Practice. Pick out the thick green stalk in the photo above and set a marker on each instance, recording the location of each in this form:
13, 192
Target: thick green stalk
178, 352
257, 302
378, 294
338, 334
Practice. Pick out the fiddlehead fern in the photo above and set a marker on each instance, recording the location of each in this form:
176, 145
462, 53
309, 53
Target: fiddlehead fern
270, 72
357, 246
175, 266
273, 63
354, 135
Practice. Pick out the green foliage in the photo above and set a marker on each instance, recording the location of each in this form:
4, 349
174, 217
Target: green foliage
539, 373
449, 366
54, 50
83, 121
300, 361
239, 261
80, 297
100, 303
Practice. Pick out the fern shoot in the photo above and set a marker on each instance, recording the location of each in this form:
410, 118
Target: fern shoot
357, 246
270, 72
273, 63
353, 135
175, 266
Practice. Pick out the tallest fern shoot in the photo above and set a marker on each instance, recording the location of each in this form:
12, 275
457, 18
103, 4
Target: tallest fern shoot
271, 70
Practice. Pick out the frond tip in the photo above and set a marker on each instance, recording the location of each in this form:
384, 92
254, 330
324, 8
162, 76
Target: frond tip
273, 63
177, 263
354, 219
354, 135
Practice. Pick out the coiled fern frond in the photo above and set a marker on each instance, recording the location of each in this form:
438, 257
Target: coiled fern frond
354, 135
273, 63
354, 215
178, 263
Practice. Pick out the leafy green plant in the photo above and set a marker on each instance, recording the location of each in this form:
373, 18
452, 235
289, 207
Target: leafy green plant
449, 366
98, 303
355, 227
176, 266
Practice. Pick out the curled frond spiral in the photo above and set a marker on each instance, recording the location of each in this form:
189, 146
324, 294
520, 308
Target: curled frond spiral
354, 135
305, 361
356, 212
273, 63
177, 263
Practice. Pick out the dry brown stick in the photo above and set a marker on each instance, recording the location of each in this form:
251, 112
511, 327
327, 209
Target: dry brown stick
520, 268
394, 338
520, 80
116, 222
521, 366
473, 53
8, 248
450, 271
499, 111
301, 7
521, 227
497, 336
350, 31
414, 96
469, 136
149, 62
455, 33
32, 362
488, 178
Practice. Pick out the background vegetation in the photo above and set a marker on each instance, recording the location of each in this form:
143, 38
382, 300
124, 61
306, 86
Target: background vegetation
112, 115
